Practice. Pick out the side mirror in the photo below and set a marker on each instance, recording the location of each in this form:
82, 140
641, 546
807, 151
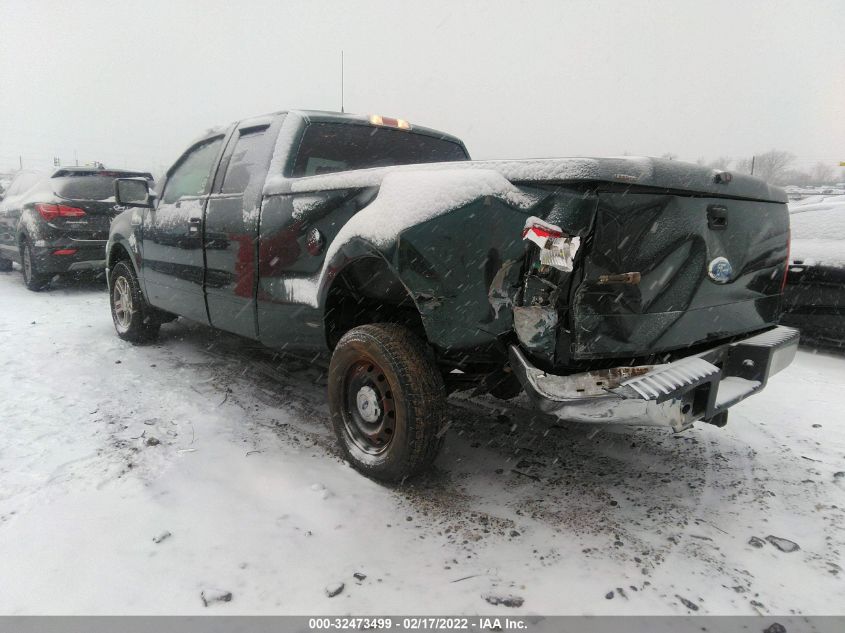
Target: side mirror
132, 192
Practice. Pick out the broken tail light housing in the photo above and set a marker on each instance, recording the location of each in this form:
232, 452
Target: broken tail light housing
557, 249
52, 211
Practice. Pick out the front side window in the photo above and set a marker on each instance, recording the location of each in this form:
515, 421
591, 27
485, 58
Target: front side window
331, 147
246, 161
192, 176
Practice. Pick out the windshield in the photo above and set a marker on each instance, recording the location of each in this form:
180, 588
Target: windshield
99, 186
331, 147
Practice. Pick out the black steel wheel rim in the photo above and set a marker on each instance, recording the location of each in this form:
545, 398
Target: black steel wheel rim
369, 413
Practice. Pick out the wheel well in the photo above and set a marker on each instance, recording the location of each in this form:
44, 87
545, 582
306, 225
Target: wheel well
117, 253
367, 291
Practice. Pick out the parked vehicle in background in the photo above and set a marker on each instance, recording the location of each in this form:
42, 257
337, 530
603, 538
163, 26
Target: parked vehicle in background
626, 290
814, 297
58, 222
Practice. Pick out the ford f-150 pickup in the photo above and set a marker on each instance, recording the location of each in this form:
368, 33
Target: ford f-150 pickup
617, 290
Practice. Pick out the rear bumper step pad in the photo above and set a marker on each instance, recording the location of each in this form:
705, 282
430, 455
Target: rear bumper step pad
700, 387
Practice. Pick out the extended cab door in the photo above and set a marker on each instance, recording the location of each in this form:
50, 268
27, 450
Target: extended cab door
231, 227
172, 266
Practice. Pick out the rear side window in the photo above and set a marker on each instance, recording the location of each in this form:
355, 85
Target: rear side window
98, 186
331, 147
246, 161
193, 174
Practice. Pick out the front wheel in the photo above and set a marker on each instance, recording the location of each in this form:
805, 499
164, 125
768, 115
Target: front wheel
133, 319
32, 278
387, 401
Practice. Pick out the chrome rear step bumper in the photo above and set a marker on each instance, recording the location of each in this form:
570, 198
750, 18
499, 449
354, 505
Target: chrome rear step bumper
677, 394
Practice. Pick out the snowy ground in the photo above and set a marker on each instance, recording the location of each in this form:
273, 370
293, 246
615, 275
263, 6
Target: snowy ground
246, 479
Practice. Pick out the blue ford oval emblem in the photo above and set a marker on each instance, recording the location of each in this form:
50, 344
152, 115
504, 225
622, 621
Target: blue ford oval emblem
720, 270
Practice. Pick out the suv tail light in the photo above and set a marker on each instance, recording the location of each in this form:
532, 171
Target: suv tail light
52, 211
557, 250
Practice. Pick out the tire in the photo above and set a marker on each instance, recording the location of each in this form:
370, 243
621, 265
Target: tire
134, 320
387, 401
507, 388
32, 278
5, 265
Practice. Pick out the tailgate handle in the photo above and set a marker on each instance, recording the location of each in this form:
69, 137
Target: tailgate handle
717, 217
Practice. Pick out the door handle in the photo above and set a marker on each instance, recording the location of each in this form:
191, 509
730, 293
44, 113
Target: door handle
194, 225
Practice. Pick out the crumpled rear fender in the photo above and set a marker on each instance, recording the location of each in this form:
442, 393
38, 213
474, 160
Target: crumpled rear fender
461, 269
455, 242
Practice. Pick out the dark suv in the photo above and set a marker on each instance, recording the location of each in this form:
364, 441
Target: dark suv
58, 222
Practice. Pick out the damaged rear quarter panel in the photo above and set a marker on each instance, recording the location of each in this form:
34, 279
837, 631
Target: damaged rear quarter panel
449, 264
464, 268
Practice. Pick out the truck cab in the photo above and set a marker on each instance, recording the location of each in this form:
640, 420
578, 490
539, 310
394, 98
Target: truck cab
202, 252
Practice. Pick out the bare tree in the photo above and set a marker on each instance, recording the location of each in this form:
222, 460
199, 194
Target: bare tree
772, 165
821, 174
670, 156
743, 166
796, 177
723, 162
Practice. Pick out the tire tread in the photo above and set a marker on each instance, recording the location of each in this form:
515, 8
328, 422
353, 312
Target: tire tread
422, 390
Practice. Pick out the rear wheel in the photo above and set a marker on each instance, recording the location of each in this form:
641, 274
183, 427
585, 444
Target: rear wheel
133, 319
506, 388
32, 277
387, 401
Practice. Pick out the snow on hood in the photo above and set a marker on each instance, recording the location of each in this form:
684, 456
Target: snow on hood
818, 232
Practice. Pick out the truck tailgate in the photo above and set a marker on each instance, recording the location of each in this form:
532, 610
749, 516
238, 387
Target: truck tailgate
709, 268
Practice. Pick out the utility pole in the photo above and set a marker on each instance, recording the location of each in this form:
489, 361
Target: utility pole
341, 81
75, 158
752, 165
20, 161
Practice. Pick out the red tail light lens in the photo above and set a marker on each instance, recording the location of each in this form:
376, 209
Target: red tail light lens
65, 251
70, 212
52, 211
541, 231
48, 211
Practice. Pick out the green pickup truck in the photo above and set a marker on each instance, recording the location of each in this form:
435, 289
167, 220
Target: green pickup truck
617, 290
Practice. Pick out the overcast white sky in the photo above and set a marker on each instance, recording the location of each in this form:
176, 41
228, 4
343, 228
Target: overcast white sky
130, 83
